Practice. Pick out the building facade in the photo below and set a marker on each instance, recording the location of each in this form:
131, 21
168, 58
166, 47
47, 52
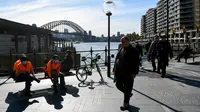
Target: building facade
150, 23
143, 25
161, 17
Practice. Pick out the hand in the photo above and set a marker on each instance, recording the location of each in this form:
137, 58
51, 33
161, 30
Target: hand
133, 75
113, 73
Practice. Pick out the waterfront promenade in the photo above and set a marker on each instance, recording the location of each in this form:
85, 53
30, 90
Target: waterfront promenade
151, 93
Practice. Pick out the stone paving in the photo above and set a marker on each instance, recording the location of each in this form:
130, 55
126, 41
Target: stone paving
178, 92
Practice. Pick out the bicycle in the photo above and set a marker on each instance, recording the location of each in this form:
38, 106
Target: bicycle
83, 72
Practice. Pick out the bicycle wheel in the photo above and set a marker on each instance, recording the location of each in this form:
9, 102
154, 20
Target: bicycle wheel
81, 74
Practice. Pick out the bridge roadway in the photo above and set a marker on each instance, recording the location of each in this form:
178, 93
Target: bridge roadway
178, 92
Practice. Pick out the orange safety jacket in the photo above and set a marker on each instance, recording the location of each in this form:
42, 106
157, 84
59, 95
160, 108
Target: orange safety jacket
15, 64
51, 65
23, 69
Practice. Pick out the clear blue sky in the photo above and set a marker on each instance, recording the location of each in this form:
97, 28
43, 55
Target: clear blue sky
87, 13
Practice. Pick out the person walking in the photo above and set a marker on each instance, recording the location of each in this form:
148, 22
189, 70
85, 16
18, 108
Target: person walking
164, 52
152, 54
125, 70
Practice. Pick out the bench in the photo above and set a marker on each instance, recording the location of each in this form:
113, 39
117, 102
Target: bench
193, 56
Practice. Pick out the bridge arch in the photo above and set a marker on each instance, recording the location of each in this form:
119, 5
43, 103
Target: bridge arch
71, 24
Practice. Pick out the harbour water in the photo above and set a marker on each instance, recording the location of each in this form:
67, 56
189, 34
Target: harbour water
100, 46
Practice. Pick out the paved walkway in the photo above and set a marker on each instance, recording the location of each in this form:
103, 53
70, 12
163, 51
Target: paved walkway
179, 92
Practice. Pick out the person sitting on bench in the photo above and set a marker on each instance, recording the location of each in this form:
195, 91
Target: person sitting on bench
23, 69
186, 52
67, 63
53, 72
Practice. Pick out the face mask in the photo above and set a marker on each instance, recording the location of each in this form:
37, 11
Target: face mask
24, 62
56, 61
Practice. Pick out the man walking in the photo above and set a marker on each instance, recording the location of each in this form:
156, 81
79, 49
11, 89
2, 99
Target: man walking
152, 54
164, 52
125, 70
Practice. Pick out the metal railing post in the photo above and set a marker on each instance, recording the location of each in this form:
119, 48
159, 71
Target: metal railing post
106, 55
91, 51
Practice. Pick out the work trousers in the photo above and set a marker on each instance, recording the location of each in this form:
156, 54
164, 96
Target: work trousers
27, 78
55, 80
125, 85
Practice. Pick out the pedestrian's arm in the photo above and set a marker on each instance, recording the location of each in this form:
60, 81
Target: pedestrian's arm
135, 62
170, 50
150, 49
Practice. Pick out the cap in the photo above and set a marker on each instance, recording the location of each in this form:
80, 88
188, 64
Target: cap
23, 57
55, 56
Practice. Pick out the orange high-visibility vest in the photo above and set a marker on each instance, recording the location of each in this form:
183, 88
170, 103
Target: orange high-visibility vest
51, 65
15, 64
23, 69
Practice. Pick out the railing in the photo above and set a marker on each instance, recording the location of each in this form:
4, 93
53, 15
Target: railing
178, 47
38, 59
103, 53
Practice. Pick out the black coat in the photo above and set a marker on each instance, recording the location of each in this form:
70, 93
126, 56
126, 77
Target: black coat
128, 63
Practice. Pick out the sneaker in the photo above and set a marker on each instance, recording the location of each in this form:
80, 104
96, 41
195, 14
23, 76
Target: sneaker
125, 107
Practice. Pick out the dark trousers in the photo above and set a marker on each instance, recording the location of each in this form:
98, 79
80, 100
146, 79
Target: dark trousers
163, 63
125, 85
55, 80
27, 78
153, 58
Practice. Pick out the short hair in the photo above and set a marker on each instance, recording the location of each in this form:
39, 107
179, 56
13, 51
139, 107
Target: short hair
125, 38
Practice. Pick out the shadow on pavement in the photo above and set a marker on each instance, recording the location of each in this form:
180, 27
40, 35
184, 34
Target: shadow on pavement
91, 84
55, 99
72, 90
16, 103
156, 100
194, 63
149, 73
186, 81
133, 109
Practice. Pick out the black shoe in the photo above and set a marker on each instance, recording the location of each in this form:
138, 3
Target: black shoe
37, 80
163, 76
131, 95
124, 107
28, 94
63, 88
179, 61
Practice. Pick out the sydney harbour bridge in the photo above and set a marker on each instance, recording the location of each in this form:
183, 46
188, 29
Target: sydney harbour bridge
60, 29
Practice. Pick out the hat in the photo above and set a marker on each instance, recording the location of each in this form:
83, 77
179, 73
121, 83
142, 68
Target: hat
23, 57
55, 56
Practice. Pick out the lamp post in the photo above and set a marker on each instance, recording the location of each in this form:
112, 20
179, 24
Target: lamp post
167, 20
108, 8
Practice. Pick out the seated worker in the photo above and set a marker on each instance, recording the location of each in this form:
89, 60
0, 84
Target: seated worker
186, 52
15, 65
67, 63
22, 73
53, 72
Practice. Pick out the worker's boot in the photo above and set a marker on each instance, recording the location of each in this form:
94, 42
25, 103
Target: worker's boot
62, 83
27, 89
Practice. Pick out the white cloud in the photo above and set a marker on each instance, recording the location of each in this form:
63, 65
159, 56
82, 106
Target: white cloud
88, 17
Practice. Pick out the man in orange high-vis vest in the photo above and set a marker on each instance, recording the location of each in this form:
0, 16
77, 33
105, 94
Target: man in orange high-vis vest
15, 65
53, 71
22, 73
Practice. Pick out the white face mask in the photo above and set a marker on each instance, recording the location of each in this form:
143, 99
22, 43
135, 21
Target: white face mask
24, 62
56, 61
